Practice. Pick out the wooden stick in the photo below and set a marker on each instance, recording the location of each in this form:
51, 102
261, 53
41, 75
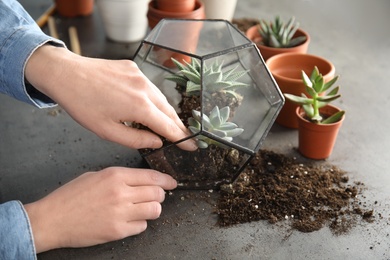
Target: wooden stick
74, 40
42, 20
52, 27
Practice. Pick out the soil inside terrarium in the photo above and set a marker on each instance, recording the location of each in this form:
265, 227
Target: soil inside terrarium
277, 188
204, 168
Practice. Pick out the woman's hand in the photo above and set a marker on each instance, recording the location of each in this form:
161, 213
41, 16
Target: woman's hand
102, 94
98, 207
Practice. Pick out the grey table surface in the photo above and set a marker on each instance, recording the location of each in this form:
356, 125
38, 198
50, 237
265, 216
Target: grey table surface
43, 149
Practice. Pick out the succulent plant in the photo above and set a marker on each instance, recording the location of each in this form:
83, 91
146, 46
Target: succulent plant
279, 35
216, 123
215, 80
316, 87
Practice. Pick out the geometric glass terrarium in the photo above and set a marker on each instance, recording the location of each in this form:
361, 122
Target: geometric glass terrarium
219, 85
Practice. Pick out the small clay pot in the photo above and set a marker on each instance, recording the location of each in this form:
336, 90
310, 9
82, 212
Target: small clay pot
286, 68
316, 141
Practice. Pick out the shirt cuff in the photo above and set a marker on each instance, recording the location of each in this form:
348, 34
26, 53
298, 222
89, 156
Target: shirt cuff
18, 49
16, 239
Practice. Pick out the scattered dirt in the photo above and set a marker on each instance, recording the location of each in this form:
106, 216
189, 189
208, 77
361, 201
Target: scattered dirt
277, 188
274, 187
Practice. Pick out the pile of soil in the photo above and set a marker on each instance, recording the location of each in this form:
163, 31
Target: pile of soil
276, 188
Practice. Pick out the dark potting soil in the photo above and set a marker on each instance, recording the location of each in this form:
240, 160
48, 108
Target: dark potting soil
276, 188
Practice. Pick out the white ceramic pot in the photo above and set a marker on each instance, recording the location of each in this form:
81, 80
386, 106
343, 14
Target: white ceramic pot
124, 20
220, 9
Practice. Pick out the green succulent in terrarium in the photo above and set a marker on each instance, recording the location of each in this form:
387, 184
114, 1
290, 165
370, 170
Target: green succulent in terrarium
214, 79
277, 34
216, 123
316, 87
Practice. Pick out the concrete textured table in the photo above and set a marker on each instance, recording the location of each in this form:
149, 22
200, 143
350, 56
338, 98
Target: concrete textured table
43, 149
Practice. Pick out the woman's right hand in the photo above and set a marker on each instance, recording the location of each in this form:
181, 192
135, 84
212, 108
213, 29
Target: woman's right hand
98, 207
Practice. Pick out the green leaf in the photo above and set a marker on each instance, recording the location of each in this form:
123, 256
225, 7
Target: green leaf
273, 42
234, 132
193, 123
228, 126
218, 132
309, 110
315, 73
224, 113
191, 76
334, 118
180, 80
179, 65
319, 84
212, 78
298, 100
196, 115
330, 83
306, 80
192, 68
193, 129
310, 91
334, 91
214, 112
328, 98
227, 138
215, 117
206, 122
192, 87
296, 41
201, 144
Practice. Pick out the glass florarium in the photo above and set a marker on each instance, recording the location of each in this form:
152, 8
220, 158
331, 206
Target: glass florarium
218, 83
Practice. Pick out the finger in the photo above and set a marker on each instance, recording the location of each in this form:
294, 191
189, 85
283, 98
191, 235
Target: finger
131, 137
136, 227
144, 211
163, 125
161, 102
141, 194
147, 177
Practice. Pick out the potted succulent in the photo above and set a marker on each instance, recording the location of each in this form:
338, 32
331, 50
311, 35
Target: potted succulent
173, 9
224, 94
319, 122
277, 37
286, 69
124, 20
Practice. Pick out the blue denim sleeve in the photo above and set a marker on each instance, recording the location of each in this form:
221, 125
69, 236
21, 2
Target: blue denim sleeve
16, 240
20, 36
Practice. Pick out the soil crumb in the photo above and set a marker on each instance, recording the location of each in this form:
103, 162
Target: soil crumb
276, 188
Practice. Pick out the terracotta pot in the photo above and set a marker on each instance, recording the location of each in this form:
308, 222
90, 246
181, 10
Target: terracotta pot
316, 141
286, 69
177, 6
155, 15
72, 8
253, 34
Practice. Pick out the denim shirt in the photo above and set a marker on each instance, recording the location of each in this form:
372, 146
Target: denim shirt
20, 36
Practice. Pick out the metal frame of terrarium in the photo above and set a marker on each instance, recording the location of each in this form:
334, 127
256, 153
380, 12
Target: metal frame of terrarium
216, 44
